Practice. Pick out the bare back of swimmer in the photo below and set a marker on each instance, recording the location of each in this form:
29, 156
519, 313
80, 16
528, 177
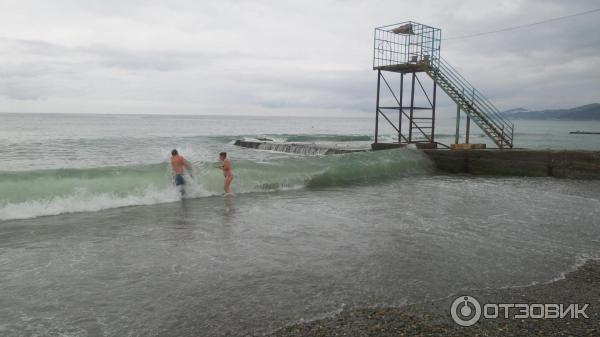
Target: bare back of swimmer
179, 164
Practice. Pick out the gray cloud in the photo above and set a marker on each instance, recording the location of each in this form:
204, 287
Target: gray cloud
267, 57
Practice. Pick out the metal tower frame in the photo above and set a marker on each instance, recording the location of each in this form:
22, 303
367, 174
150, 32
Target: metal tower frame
412, 123
405, 50
409, 49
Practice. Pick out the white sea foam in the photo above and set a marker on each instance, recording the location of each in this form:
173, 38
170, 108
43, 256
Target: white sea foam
82, 201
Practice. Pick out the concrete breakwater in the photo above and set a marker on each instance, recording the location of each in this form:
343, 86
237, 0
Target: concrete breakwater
298, 148
519, 162
577, 164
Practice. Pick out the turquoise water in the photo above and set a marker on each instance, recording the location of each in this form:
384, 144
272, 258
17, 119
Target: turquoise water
96, 241
53, 164
57, 163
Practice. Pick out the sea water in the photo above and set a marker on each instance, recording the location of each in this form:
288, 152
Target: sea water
305, 236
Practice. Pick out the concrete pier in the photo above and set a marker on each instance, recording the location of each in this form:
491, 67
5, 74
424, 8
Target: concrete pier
519, 162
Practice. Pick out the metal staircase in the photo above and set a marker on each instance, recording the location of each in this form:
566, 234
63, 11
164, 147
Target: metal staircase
409, 48
481, 111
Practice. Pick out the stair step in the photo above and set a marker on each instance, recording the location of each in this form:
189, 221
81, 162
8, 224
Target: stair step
480, 115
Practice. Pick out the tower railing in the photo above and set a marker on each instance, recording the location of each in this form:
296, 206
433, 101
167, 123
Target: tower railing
487, 115
407, 43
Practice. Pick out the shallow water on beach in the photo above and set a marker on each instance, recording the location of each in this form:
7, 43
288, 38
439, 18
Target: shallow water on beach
305, 236
228, 266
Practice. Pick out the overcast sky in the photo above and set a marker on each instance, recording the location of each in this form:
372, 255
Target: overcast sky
278, 57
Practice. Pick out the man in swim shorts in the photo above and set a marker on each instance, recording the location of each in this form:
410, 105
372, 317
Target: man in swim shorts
227, 173
178, 163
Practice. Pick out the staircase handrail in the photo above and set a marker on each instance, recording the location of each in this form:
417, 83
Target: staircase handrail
477, 102
505, 129
476, 95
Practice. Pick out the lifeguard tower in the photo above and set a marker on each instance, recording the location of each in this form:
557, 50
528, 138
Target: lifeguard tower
405, 52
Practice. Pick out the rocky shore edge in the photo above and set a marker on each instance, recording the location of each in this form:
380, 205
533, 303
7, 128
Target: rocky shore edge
434, 319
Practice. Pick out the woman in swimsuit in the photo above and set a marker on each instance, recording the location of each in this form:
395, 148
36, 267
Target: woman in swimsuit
227, 173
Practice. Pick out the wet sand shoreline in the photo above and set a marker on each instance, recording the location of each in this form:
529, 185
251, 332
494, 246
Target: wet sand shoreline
434, 319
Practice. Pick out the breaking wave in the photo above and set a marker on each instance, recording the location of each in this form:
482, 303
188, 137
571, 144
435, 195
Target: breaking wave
298, 138
31, 194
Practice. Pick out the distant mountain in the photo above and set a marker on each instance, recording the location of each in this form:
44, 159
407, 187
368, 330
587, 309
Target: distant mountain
582, 113
515, 111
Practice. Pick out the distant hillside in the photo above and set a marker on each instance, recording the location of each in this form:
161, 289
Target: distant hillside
583, 113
